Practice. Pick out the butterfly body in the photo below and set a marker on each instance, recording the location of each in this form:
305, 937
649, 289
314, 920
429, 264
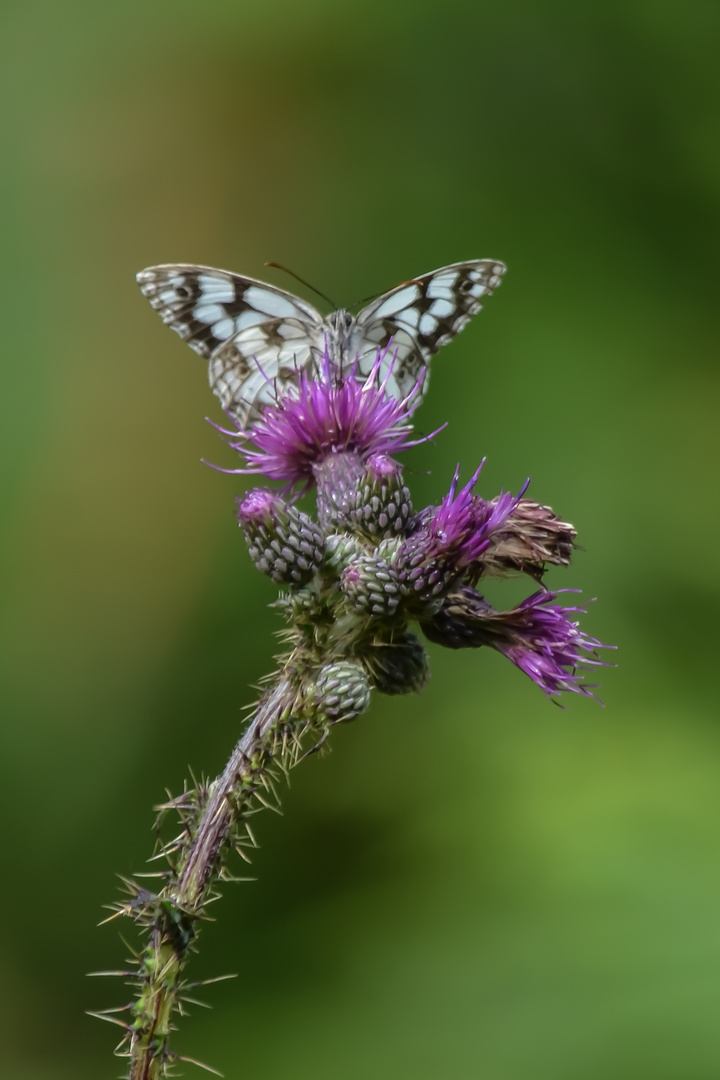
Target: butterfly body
257, 337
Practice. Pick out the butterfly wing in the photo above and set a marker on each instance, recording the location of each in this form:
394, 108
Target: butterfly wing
254, 335
419, 317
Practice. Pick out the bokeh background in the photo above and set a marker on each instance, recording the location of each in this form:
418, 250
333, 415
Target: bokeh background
474, 883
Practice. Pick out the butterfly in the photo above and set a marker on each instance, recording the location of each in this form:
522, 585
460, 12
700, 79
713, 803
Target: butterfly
258, 338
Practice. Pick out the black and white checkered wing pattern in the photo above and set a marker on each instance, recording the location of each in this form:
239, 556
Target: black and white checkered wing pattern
419, 317
256, 337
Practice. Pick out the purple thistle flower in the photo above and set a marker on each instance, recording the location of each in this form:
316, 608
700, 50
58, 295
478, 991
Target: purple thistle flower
449, 539
464, 523
538, 636
325, 416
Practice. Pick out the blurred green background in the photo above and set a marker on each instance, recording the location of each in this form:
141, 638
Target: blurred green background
474, 883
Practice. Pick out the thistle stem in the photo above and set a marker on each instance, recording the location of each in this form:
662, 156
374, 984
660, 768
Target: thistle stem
250, 755
172, 916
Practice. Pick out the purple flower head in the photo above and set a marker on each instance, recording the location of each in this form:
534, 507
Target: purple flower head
456, 533
542, 640
328, 413
453, 523
538, 636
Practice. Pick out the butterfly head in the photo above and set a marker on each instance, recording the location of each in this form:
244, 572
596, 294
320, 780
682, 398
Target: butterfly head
340, 320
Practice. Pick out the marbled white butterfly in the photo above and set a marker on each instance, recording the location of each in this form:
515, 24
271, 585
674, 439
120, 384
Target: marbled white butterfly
258, 337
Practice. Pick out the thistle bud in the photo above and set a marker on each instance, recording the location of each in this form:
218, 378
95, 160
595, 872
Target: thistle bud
342, 691
371, 586
341, 548
381, 505
459, 624
424, 577
284, 543
398, 667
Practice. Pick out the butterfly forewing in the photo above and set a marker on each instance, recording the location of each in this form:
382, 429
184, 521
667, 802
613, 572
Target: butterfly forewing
252, 333
420, 316
258, 338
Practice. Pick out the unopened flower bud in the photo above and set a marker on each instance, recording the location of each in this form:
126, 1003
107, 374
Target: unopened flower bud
371, 586
381, 505
398, 667
342, 690
284, 543
341, 548
424, 577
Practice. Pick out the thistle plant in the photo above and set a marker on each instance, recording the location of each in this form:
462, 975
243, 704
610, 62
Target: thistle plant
359, 582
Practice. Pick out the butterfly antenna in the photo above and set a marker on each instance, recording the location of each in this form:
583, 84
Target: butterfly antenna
279, 266
375, 296
365, 300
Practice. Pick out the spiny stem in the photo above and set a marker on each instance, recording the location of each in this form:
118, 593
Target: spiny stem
248, 757
171, 916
